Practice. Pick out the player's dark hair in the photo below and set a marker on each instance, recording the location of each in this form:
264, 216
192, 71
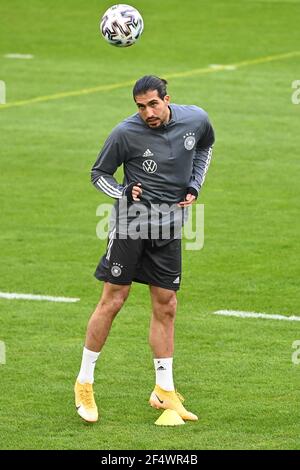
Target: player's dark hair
150, 82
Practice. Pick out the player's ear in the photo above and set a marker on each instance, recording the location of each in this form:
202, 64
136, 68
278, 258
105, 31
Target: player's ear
167, 99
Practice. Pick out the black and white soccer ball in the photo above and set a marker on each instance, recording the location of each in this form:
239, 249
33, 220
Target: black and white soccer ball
121, 25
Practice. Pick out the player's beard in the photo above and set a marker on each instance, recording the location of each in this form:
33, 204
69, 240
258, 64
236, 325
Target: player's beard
157, 121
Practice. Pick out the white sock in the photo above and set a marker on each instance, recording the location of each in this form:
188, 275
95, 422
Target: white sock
164, 373
88, 364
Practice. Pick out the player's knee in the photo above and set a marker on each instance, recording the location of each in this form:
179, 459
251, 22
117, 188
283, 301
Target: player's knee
165, 308
112, 300
118, 299
171, 306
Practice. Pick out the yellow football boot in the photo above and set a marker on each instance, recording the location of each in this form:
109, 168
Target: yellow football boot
85, 403
170, 401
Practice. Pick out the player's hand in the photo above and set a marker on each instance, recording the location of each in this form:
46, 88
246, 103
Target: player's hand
190, 198
137, 192
133, 192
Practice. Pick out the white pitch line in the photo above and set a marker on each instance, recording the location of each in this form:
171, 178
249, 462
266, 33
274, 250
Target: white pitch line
222, 67
48, 298
18, 56
237, 313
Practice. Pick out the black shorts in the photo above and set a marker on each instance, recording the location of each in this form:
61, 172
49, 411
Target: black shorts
154, 262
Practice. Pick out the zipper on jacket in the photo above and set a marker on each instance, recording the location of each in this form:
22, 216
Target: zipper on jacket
169, 144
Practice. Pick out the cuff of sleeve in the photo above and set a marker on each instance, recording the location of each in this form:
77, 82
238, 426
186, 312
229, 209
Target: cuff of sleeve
192, 191
127, 191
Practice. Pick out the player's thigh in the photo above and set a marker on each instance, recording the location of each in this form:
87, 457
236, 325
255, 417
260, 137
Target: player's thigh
114, 294
163, 297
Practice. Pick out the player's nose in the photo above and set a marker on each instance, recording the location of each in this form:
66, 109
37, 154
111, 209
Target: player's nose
149, 113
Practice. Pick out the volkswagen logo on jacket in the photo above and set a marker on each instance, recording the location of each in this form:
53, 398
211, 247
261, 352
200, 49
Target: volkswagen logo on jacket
149, 166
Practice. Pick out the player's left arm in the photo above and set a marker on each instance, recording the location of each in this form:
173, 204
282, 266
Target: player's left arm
201, 162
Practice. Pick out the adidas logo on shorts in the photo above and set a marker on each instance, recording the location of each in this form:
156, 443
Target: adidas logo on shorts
176, 280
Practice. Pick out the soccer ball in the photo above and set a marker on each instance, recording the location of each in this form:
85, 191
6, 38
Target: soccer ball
121, 25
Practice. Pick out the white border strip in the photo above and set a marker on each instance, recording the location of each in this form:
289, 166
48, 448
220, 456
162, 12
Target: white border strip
18, 56
48, 298
237, 313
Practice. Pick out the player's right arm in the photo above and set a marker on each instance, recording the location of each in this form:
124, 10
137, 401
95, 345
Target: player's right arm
113, 155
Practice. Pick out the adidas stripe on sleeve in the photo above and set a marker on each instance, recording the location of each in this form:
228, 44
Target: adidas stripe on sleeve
109, 159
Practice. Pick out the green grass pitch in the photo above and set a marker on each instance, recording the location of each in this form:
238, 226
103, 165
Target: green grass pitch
237, 374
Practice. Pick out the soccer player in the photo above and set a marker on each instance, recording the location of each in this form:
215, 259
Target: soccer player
165, 150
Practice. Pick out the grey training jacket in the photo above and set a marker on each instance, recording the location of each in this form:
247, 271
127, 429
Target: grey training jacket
165, 160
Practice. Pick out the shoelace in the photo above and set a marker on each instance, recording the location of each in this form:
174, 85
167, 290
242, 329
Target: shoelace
87, 397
